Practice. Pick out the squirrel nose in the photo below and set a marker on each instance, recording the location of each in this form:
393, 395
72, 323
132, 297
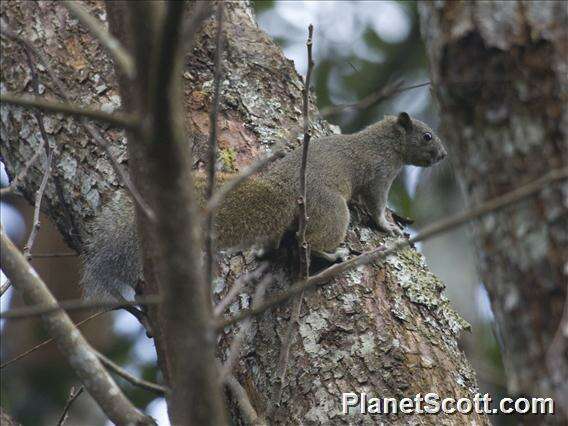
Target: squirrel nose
441, 154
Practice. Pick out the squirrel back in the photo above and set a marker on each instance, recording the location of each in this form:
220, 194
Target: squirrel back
264, 207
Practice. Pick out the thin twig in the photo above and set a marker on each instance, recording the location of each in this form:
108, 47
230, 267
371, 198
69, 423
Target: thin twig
48, 341
117, 51
117, 119
436, 228
213, 131
76, 305
47, 168
235, 348
143, 384
5, 287
50, 255
37, 207
304, 248
243, 401
72, 397
220, 194
20, 176
237, 287
121, 172
374, 98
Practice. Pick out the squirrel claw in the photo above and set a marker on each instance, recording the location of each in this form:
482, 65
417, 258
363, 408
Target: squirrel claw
339, 255
389, 228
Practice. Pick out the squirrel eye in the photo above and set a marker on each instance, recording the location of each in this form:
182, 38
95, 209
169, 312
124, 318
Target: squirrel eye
427, 136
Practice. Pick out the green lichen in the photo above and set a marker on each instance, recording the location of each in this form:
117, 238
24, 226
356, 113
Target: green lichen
228, 158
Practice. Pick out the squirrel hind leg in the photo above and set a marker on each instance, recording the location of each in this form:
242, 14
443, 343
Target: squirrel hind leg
328, 222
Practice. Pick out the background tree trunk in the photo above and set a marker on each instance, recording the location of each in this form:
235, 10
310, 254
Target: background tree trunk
500, 75
384, 329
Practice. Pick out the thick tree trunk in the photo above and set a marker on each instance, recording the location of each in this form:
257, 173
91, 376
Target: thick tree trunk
500, 74
384, 329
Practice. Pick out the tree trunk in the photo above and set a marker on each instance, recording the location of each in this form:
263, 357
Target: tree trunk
383, 329
499, 73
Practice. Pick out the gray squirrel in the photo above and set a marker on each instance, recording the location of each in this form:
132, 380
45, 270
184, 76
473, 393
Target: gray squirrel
340, 168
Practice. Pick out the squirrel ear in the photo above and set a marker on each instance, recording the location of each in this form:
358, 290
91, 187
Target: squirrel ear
404, 120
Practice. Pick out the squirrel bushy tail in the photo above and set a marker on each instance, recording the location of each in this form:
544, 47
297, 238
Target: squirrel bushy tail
111, 261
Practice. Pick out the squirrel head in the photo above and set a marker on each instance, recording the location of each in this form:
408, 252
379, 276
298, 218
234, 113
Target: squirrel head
420, 145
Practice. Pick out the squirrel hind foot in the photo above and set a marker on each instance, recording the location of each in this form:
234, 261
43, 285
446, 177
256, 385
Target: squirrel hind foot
339, 255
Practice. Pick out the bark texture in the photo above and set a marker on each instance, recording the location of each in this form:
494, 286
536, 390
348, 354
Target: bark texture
384, 329
500, 74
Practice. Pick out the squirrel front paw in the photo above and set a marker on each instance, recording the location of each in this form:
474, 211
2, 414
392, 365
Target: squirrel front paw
391, 229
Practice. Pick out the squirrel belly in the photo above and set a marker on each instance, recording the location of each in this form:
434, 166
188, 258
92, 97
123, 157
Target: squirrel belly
263, 208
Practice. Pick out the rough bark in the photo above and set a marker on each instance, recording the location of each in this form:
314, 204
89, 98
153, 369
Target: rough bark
385, 329
500, 74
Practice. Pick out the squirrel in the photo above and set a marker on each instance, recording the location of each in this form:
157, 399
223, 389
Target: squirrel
263, 208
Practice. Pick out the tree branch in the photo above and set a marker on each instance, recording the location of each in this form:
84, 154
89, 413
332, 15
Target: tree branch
161, 149
37, 206
237, 287
76, 305
382, 252
143, 384
304, 248
70, 341
22, 174
374, 98
116, 119
123, 59
213, 130
73, 395
245, 406
47, 341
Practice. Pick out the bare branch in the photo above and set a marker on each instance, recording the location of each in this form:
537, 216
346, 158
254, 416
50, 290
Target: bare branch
436, 228
117, 51
237, 287
121, 172
143, 384
374, 98
20, 176
5, 287
73, 395
37, 206
47, 341
213, 130
50, 255
247, 410
186, 312
302, 202
116, 119
76, 305
235, 349
70, 341
47, 170
220, 194
304, 248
